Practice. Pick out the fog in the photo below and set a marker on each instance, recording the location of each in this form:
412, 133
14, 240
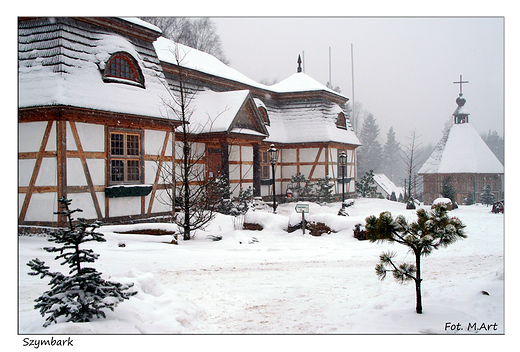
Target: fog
404, 67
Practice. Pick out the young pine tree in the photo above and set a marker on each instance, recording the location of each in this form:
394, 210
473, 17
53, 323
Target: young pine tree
432, 230
83, 294
448, 191
486, 196
367, 187
324, 189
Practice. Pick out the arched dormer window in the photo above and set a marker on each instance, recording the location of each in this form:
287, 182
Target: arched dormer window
265, 117
341, 121
122, 68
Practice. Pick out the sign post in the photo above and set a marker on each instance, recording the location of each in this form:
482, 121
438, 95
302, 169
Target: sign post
302, 208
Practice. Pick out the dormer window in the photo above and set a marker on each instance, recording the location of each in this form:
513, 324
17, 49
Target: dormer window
122, 68
265, 117
341, 121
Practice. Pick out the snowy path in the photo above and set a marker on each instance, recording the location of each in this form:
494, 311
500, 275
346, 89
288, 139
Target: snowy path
286, 283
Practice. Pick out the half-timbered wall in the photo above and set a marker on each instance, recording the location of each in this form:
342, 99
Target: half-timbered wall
314, 162
70, 158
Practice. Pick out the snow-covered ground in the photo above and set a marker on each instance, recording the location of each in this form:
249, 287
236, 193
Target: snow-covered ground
274, 282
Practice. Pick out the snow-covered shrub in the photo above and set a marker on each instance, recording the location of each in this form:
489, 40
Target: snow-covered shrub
317, 228
359, 232
446, 201
83, 294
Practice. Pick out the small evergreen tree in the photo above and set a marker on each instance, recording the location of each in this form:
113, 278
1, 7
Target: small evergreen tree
448, 191
393, 197
469, 199
366, 187
324, 189
432, 230
84, 294
302, 186
221, 192
244, 201
486, 196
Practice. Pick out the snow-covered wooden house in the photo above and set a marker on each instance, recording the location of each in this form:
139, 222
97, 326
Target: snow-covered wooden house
91, 121
462, 159
306, 121
94, 123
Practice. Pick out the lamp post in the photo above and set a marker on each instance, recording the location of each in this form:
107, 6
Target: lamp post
273, 156
343, 163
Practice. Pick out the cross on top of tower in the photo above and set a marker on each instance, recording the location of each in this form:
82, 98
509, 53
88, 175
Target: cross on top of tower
460, 82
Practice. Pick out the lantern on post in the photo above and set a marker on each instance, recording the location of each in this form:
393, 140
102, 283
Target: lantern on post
273, 156
343, 163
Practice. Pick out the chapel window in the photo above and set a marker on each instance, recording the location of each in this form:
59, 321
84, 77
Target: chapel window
125, 157
122, 68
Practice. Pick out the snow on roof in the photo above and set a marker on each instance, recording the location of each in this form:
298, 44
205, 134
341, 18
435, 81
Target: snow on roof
462, 151
216, 111
308, 123
71, 74
142, 23
299, 82
167, 50
387, 185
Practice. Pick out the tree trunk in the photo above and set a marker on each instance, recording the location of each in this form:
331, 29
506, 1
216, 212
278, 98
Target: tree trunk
418, 280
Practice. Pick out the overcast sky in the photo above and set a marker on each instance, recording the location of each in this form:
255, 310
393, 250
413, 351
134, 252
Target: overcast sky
404, 67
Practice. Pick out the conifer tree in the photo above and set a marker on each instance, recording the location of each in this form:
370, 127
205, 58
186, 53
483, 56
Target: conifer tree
366, 187
486, 197
324, 189
370, 153
448, 191
301, 185
469, 199
392, 163
432, 230
83, 294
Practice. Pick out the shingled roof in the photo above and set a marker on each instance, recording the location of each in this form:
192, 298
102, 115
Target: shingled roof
61, 62
462, 150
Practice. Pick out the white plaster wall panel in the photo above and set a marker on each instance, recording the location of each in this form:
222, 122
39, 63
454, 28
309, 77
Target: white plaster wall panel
289, 171
308, 154
234, 153
71, 143
247, 171
47, 174
30, 135
21, 198
161, 202
153, 142
25, 170
288, 156
265, 191
42, 207
125, 206
150, 171
96, 167
333, 155
306, 170
75, 172
319, 172
198, 149
234, 172
91, 136
84, 202
247, 153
